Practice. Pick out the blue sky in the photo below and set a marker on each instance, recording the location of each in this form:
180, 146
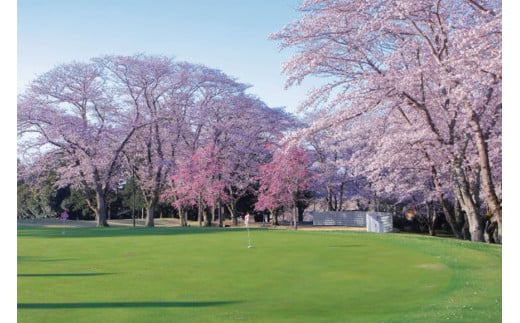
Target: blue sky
230, 35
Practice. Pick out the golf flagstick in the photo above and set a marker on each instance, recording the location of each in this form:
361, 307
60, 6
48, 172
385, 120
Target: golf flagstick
64, 216
247, 227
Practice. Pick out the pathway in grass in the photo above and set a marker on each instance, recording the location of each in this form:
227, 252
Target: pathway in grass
202, 275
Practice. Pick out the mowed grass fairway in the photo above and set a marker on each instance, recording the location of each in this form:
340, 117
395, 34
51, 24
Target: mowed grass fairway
209, 275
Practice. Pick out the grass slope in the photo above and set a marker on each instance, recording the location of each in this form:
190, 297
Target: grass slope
209, 275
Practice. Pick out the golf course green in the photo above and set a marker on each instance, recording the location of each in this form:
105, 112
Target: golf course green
210, 275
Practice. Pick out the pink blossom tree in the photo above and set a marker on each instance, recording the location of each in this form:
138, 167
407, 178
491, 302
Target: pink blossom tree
436, 64
283, 181
196, 183
236, 135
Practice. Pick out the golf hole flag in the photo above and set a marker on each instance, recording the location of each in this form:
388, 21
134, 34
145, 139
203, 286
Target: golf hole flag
246, 221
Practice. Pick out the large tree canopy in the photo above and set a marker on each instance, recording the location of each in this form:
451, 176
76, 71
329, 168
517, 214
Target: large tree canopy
144, 117
73, 113
423, 74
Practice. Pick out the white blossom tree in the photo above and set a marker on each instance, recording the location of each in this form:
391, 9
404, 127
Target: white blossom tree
72, 112
436, 64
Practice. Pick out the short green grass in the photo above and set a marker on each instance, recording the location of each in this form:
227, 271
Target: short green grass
210, 275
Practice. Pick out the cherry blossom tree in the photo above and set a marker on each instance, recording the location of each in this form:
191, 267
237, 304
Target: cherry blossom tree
153, 86
336, 178
284, 180
242, 135
400, 167
436, 64
148, 118
196, 183
185, 107
71, 112
236, 133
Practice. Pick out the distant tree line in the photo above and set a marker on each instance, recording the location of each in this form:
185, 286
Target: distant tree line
184, 134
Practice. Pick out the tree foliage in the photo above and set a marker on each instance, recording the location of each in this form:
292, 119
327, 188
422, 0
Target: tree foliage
147, 118
284, 181
410, 115
425, 79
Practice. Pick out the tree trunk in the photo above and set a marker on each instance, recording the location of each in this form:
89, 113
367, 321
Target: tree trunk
220, 215
295, 216
182, 217
448, 213
432, 219
475, 228
213, 215
274, 218
450, 216
341, 187
330, 204
474, 220
486, 176
200, 210
207, 217
460, 219
231, 206
150, 213
101, 211
199, 216
491, 230
301, 210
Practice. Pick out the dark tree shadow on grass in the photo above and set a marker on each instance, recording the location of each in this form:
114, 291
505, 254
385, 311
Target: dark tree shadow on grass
347, 246
42, 259
64, 275
94, 232
97, 305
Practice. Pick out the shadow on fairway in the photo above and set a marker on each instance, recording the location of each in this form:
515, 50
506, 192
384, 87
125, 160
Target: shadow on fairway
65, 275
42, 259
95, 232
95, 305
